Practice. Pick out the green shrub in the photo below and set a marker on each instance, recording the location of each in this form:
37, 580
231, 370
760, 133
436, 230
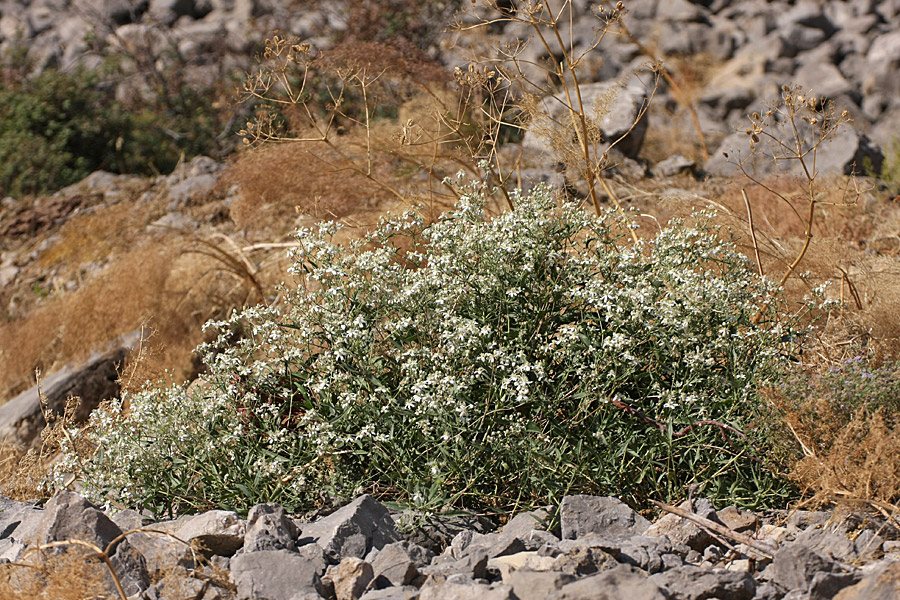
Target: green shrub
481, 362
57, 128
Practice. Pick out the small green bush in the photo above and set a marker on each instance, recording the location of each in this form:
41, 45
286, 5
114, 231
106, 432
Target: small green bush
480, 362
58, 127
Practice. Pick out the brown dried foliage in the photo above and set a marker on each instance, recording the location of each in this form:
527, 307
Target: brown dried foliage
859, 459
71, 575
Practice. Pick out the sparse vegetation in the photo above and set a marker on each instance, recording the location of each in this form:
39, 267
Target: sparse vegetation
484, 363
498, 356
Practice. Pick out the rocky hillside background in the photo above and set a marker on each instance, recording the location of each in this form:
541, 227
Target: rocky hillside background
130, 219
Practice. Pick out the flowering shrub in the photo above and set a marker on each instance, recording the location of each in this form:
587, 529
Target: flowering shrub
483, 362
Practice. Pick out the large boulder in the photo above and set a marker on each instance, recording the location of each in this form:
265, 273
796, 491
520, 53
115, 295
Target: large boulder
95, 380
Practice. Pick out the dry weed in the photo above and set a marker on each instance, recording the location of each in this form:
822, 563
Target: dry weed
860, 459
66, 576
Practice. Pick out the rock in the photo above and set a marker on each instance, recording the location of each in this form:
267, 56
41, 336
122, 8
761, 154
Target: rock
8, 274
845, 152
523, 524
350, 578
472, 565
455, 590
621, 582
174, 220
269, 528
690, 582
824, 78
398, 564
352, 530
492, 545
219, 532
69, 517
580, 515
405, 592
674, 165
536, 585
97, 379
683, 531
824, 586
169, 11
795, 565
19, 524
882, 584
828, 543
279, 574
738, 520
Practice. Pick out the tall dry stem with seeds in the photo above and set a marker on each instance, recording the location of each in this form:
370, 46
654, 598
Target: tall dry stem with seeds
790, 133
532, 89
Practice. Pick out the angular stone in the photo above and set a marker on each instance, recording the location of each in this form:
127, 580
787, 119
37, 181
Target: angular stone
350, 578
827, 543
473, 566
795, 565
690, 582
824, 586
398, 564
452, 590
269, 528
492, 544
581, 515
352, 530
683, 531
536, 585
21, 419
611, 106
19, 524
218, 532
738, 520
622, 582
673, 165
406, 592
881, 584
278, 574
524, 524
68, 516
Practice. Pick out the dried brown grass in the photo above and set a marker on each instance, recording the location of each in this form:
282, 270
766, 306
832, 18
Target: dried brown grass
842, 459
278, 182
71, 575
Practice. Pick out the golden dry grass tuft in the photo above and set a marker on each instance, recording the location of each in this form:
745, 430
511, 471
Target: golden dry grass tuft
71, 575
278, 182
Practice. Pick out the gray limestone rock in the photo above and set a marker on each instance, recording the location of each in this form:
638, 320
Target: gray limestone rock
537, 585
621, 582
278, 574
453, 590
398, 564
795, 565
269, 528
580, 515
93, 381
683, 531
69, 517
352, 530
219, 532
690, 582
19, 523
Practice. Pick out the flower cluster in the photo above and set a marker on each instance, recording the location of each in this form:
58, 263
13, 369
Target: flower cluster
484, 361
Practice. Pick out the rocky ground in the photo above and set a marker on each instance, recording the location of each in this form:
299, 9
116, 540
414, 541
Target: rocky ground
588, 547
729, 58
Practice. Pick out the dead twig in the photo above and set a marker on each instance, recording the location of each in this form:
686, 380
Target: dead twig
767, 549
